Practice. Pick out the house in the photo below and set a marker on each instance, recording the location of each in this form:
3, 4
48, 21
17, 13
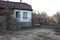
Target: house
21, 11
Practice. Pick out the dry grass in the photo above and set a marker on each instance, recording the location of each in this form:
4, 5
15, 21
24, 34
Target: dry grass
32, 34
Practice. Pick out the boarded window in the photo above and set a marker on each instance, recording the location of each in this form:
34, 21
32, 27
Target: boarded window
17, 14
24, 15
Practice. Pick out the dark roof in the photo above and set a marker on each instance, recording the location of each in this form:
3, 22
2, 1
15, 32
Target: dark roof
15, 5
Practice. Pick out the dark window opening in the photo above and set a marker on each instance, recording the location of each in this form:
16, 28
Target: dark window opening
17, 14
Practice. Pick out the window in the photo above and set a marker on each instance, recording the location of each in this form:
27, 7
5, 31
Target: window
24, 15
17, 14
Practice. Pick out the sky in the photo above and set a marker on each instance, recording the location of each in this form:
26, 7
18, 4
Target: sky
49, 6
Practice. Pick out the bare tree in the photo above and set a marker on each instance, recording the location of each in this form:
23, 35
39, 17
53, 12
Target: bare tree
57, 17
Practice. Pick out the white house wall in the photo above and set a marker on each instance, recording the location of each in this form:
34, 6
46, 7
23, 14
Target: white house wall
29, 16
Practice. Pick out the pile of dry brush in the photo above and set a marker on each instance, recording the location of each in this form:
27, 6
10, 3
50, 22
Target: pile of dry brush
8, 23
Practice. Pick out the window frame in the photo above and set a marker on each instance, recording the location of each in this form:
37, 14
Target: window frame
25, 15
18, 14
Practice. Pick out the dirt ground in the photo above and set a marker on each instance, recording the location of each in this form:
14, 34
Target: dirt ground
31, 34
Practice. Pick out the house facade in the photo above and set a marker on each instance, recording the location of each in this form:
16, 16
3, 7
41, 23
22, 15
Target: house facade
24, 17
21, 11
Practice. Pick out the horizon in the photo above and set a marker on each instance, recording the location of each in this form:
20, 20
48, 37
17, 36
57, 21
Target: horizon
49, 6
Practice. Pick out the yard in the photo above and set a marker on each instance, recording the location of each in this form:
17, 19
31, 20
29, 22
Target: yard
31, 34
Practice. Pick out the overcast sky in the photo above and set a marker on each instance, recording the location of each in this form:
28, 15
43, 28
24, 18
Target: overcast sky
49, 6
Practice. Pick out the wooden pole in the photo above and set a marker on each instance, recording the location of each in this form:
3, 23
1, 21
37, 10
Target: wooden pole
7, 0
20, 1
